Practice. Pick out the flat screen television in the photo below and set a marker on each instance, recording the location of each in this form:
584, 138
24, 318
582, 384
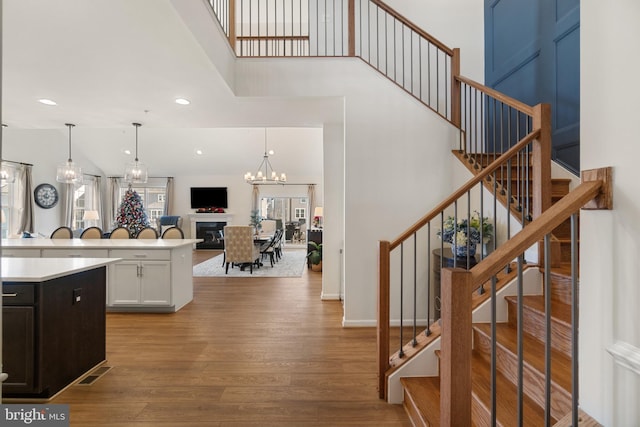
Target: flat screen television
208, 197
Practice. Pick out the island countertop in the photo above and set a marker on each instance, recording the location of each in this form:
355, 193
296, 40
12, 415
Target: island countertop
43, 269
36, 243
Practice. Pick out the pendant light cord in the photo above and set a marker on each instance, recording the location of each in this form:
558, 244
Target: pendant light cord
137, 125
70, 125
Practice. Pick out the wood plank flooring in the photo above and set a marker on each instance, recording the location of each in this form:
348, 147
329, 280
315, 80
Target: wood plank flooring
245, 352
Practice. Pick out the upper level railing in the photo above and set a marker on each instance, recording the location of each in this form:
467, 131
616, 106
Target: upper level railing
369, 29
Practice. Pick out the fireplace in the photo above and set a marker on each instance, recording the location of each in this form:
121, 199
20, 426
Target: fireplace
211, 233
209, 227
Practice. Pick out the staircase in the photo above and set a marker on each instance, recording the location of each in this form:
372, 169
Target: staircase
422, 394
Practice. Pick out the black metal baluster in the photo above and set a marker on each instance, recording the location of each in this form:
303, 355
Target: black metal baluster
415, 289
401, 352
428, 330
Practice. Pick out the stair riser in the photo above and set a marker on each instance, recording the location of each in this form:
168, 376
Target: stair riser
534, 325
534, 381
561, 289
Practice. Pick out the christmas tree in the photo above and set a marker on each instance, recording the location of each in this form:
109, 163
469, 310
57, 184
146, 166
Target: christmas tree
131, 214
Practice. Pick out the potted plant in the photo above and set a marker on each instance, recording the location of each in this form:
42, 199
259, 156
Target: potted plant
255, 220
466, 234
315, 256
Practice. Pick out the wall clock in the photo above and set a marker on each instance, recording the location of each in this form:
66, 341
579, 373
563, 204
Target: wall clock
46, 196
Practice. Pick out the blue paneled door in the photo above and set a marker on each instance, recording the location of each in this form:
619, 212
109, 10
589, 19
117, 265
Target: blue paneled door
532, 53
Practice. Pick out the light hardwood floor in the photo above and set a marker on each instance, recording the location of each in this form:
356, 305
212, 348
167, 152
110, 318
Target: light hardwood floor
245, 352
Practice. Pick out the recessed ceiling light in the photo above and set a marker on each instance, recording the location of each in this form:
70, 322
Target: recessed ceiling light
127, 152
47, 101
182, 101
271, 152
199, 152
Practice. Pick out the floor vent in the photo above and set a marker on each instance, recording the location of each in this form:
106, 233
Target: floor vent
94, 375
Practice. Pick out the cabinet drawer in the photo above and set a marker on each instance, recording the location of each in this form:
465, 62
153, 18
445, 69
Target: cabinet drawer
140, 254
18, 294
75, 253
21, 253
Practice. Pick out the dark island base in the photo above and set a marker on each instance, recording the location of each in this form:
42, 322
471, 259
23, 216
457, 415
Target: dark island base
53, 333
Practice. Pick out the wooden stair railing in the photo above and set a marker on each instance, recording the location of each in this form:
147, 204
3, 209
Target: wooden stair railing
456, 348
531, 142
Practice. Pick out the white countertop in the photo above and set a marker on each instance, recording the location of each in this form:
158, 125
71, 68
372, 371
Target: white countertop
96, 243
43, 269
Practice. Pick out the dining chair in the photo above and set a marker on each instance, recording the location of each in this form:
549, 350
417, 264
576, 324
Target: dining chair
173, 233
147, 233
63, 232
239, 247
91, 233
120, 233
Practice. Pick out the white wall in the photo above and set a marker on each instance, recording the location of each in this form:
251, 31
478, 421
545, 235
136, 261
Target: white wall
45, 149
393, 154
609, 248
456, 23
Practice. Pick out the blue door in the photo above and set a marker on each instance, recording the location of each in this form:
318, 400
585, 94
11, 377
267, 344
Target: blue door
532, 53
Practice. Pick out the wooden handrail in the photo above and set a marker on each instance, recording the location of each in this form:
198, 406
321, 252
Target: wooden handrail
458, 286
272, 38
535, 231
512, 102
465, 188
413, 27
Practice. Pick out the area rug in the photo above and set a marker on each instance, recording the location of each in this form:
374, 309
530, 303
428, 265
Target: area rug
291, 264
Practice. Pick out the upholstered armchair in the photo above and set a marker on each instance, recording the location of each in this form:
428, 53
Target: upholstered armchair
239, 246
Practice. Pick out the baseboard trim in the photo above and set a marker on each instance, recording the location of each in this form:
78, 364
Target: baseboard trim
626, 355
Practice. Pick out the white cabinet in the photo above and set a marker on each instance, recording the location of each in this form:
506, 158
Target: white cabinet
150, 276
138, 280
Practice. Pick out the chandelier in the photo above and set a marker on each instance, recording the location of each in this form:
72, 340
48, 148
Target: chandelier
68, 172
265, 173
136, 172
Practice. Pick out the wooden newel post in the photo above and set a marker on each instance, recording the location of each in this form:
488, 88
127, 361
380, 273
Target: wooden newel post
455, 357
456, 101
384, 268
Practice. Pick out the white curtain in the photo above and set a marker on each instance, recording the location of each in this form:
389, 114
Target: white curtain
68, 191
97, 199
113, 201
22, 209
312, 202
168, 198
255, 198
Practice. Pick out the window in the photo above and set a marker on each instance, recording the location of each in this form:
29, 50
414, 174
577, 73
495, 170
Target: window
153, 199
300, 213
84, 198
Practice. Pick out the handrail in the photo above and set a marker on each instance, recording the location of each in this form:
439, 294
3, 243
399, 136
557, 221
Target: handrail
458, 286
465, 188
525, 108
533, 233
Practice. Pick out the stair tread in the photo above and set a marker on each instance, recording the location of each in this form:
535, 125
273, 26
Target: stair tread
507, 337
560, 312
424, 393
506, 405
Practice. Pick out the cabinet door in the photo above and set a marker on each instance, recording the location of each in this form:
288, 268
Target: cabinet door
124, 283
18, 348
156, 283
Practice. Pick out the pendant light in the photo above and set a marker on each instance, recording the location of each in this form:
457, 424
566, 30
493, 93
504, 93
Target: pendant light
136, 172
69, 173
265, 173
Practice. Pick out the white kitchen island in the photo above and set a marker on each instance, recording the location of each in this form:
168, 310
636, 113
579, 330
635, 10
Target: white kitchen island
154, 275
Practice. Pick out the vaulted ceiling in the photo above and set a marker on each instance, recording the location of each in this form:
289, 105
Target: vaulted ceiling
110, 63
